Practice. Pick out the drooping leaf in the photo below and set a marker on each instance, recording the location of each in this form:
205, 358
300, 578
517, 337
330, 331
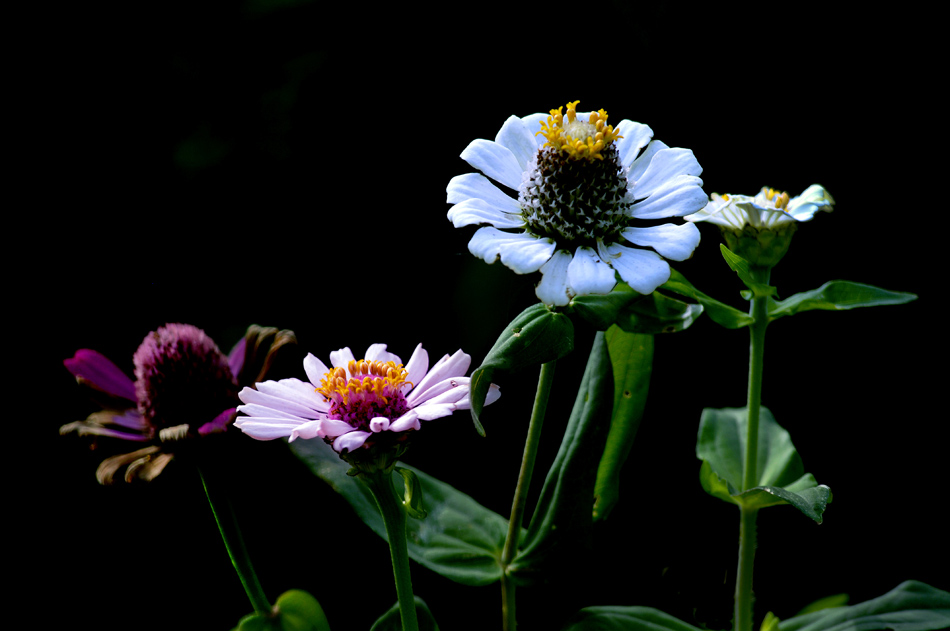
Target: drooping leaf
295, 610
460, 539
560, 527
911, 606
537, 336
391, 621
838, 295
602, 310
721, 314
625, 619
657, 313
631, 359
742, 267
780, 476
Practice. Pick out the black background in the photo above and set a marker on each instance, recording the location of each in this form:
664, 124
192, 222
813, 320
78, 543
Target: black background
224, 164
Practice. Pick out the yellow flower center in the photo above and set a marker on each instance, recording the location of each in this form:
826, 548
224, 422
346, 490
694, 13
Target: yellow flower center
380, 378
577, 138
779, 199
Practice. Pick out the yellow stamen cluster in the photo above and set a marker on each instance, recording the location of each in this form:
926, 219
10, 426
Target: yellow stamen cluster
577, 138
779, 199
377, 377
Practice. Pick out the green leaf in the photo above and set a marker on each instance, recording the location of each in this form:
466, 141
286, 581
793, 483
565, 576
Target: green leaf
828, 602
742, 267
657, 313
780, 475
460, 539
413, 497
390, 621
838, 295
911, 606
625, 619
537, 336
721, 314
770, 622
562, 519
296, 610
631, 359
602, 310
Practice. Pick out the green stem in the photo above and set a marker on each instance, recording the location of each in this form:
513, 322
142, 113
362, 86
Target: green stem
760, 315
546, 379
743, 611
234, 542
394, 517
750, 478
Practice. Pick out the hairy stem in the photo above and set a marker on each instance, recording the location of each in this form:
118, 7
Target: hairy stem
394, 517
545, 382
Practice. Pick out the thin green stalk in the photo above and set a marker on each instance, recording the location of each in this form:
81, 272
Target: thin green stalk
743, 595
394, 517
545, 381
234, 542
743, 611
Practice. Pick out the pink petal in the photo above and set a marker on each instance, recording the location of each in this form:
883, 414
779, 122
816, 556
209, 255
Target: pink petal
96, 370
351, 441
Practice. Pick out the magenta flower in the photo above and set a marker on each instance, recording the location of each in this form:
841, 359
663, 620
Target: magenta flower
184, 388
349, 404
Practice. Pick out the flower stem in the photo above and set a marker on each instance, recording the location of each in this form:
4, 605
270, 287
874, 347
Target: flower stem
234, 543
394, 517
750, 478
545, 380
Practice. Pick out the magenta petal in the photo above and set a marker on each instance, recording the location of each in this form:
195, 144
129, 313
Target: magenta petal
236, 357
219, 424
93, 368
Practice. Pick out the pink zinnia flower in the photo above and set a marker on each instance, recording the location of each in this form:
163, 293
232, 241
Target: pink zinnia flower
349, 403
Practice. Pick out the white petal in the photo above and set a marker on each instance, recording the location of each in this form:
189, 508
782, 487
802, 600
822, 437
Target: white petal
378, 352
316, 370
306, 431
262, 430
432, 411
587, 274
445, 368
351, 441
379, 424
532, 122
813, 199
469, 185
342, 357
477, 211
671, 241
261, 411
333, 427
409, 420
495, 161
417, 366
302, 408
515, 136
640, 165
677, 197
641, 269
446, 391
493, 395
666, 165
635, 137
554, 288
522, 252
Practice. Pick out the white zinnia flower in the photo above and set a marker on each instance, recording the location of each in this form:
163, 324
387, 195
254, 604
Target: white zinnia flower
583, 189
768, 210
347, 404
